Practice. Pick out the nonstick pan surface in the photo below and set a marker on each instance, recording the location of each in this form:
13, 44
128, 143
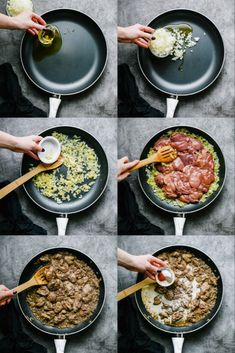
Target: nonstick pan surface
201, 67
29, 271
79, 62
189, 208
198, 325
76, 204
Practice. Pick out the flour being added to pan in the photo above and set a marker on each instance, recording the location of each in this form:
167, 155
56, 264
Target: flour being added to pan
192, 296
172, 41
76, 176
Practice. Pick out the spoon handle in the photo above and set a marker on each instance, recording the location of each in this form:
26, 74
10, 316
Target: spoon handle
20, 289
143, 163
14, 185
128, 291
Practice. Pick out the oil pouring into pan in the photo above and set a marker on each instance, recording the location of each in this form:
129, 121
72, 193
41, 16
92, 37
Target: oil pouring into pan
201, 64
150, 303
196, 151
68, 58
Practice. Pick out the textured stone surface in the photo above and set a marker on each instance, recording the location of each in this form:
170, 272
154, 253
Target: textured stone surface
101, 217
218, 218
218, 100
101, 336
218, 336
98, 100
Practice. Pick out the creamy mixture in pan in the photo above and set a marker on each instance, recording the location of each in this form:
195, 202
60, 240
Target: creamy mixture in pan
80, 169
71, 295
192, 176
191, 297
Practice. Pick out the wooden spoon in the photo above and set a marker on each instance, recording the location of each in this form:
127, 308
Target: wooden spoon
38, 279
39, 169
128, 291
165, 154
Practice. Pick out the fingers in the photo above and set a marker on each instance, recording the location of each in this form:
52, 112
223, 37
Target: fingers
31, 31
146, 36
36, 26
33, 155
158, 262
141, 43
39, 19
132, 164
36, 146
5, 292
150, 275
153, 269
37, 138
124, 159
148, 29
123, 176
129, 165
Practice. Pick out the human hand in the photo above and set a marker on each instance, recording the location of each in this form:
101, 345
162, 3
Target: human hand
29, 21
138, 34
146, 264
123, 166
28, 145
4, 291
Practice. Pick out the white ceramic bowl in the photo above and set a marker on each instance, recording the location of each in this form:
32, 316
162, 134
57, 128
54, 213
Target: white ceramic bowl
52, 150
165, 283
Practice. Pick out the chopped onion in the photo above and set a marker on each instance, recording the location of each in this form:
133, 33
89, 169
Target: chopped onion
172, 43
163, 43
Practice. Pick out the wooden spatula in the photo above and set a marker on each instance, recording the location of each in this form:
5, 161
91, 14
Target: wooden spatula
165, 154
128, 291
38, 279
39, 169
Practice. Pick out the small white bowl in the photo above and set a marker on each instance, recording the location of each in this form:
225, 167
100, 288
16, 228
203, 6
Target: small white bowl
165, 283
52, 150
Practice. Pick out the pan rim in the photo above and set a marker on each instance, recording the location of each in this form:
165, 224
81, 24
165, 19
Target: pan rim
172, 94
218, 308
81, 90
98, 197
206, 204
90, 323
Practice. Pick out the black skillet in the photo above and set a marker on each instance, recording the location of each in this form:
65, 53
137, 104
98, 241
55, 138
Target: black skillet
75, 204
200, 68
180, 331
29, 270
76, 66
180, 212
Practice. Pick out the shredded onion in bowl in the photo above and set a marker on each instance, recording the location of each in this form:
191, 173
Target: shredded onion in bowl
15, 7
163, 43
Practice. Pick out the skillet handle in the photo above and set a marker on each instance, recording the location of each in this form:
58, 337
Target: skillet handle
171, 104
178, 344
54, 103
60, 345
179, 224
62, 225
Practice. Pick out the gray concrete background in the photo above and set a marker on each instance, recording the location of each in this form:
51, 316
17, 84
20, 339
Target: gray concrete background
218, 336
101, 217
99, 337
99, 99
216, 219
218, 100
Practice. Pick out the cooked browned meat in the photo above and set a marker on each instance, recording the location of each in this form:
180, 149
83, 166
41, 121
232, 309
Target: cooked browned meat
189, 176
71, 295
157, 300
191, 297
